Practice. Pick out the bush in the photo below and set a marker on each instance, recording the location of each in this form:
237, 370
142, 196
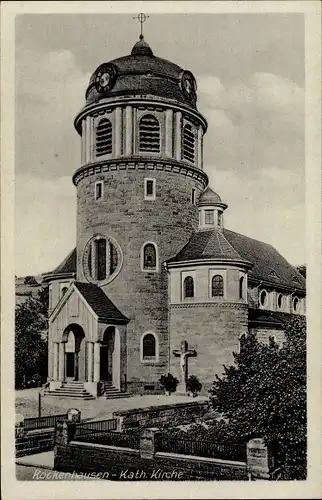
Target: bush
193, 385
169, 382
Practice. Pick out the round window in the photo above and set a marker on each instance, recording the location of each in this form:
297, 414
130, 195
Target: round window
102, 259
296, 304
280, 301
263, 298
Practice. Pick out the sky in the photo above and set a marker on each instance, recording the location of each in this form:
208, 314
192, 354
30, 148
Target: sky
251, 82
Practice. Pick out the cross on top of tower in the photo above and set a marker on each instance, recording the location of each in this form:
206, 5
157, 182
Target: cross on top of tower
141, 19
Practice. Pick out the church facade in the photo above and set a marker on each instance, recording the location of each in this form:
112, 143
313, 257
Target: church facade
156, 282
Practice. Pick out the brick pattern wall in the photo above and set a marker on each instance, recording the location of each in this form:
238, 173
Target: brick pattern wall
213, 330
124, 215
119, 464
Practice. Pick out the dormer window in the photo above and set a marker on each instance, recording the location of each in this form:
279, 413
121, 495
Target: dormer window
209, 217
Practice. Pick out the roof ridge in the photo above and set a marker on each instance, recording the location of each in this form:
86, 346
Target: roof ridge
229, 244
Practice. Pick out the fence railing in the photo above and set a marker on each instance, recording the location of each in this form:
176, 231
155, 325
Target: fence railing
92, 428
42, 422
112, 438
209, 449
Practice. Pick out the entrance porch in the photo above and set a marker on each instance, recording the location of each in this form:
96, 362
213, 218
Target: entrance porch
87, 350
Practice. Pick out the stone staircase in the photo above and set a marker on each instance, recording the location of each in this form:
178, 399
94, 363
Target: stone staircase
111, 392
70, 390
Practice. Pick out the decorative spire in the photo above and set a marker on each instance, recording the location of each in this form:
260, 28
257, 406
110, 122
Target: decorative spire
141, 19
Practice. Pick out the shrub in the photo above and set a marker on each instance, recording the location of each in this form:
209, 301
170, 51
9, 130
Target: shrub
193, 385
169, 382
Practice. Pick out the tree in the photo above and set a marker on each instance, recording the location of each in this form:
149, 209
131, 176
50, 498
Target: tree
169, 382
30, 280
193, 385
263, 394
31, 326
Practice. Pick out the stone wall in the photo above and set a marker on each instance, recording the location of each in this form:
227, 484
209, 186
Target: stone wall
158, 416
213, 330
124, 215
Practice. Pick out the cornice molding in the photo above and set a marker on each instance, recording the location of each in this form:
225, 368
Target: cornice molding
111, 103
217, 305
139, 163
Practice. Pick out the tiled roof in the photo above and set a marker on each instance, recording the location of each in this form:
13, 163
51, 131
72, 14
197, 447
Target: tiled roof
268, 264
207, 244
100, 303
68, 265
269, 318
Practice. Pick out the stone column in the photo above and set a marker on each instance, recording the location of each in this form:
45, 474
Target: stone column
178, 117
83, 142
61, 363
97, 353
168, 135
89, 361
88, 139
118, 131
128, 131
199, 147
55, 360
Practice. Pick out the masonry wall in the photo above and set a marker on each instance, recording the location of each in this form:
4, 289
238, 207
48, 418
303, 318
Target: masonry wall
213, 330
124, 215
119, 464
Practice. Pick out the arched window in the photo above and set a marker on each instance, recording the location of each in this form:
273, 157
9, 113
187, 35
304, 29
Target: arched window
188, 146
241, 287
149, 349
104, 137
149, 134
188, 287
64, 290
149, 257
217, 286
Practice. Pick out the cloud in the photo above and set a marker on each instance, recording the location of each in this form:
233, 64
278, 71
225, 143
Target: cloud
45, 223
253, 124
264, 210
49, 92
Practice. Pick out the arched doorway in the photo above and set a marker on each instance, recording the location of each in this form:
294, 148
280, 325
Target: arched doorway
110, 356
74, 338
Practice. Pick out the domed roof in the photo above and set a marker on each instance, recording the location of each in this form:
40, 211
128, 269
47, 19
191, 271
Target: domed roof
142, 73
209, 197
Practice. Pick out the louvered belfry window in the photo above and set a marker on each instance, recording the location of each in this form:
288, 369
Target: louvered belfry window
217, 286
104, 137
188, 146
149, 134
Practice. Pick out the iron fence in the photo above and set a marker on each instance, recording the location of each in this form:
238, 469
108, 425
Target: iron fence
42, 422
209, 449
92, 428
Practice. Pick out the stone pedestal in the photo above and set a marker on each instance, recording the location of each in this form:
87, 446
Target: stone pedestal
147, 442
259, 459
181, 389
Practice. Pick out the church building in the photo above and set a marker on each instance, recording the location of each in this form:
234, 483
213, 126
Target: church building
156, 283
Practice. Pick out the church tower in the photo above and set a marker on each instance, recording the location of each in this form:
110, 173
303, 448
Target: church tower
137, 187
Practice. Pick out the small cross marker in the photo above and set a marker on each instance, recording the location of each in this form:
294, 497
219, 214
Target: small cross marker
141, 19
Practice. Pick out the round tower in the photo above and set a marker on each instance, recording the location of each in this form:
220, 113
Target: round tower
140, 177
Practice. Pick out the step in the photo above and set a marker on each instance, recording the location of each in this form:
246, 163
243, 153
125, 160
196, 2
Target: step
70, 396
118, 395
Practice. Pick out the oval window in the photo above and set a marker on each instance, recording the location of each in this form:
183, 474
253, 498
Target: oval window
280, 301
263, 298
